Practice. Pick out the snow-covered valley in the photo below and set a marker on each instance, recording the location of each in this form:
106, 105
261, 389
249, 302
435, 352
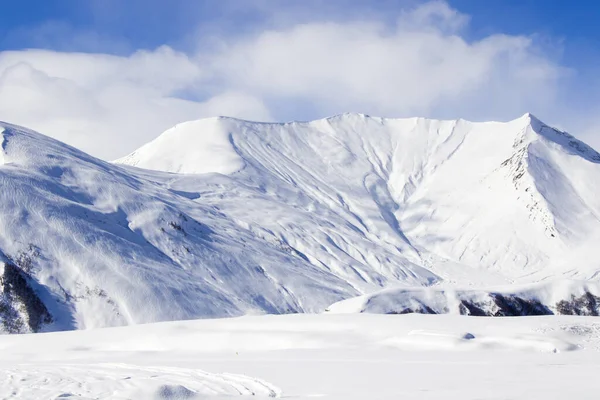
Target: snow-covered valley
333, 357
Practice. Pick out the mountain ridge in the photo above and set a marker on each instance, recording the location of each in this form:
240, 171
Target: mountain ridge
292, 217
525, 130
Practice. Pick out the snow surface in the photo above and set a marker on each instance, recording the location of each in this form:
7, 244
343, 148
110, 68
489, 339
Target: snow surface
377, 200
207, 145
235, 217
333, 357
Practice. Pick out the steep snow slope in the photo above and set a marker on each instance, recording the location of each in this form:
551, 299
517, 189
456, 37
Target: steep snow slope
373, 199
238, 217
100, 246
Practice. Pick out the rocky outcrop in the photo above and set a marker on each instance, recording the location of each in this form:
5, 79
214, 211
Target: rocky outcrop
513, 306
587, 304
21, 309
552, 298
505, 306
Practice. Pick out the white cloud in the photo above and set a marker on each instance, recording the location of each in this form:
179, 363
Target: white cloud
109, 105
433, 16
363, 66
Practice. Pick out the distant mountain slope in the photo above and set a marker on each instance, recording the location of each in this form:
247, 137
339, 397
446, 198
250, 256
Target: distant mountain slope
371, 198
222, 217
562, 297
102, 246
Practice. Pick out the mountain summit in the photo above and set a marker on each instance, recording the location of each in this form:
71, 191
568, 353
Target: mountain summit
224, 217
510, 199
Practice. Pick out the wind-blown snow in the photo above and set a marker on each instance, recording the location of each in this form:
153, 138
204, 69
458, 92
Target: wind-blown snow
107, 247
234, 217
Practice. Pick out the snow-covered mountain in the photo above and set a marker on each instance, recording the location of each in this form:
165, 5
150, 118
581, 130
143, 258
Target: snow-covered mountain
222, 217
510, 201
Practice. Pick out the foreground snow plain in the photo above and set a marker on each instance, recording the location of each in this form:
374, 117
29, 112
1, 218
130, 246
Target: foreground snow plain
328, 356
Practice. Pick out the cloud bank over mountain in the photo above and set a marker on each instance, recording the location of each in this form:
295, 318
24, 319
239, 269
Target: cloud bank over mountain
424, 63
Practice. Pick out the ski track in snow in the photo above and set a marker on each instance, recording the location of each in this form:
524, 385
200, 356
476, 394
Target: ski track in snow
119, 381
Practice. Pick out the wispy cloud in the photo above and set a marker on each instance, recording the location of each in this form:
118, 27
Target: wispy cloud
61, 36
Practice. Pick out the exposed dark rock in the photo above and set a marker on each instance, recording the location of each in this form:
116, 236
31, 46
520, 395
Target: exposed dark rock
419, 309
514, 306
474, 309
10, 319
499, 306
25, 259
20, 304
505, 306
587, 304
508, 305
176, 226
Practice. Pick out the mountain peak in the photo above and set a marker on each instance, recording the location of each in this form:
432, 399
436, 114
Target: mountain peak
192, 147
313, 212
565, 140
529, 116
206, 145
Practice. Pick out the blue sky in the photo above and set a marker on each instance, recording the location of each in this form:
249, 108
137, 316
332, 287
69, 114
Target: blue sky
151, 23
142, 23
282, 60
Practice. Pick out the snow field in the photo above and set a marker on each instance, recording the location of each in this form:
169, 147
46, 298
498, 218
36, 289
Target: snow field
334, 357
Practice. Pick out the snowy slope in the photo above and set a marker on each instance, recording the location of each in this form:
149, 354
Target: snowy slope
222, 217
331, 357
176, 151
101, 247
374, 199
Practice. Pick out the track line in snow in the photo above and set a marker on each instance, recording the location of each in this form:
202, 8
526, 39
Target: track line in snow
124, 382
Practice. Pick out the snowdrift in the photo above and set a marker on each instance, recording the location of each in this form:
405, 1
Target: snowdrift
334, 357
